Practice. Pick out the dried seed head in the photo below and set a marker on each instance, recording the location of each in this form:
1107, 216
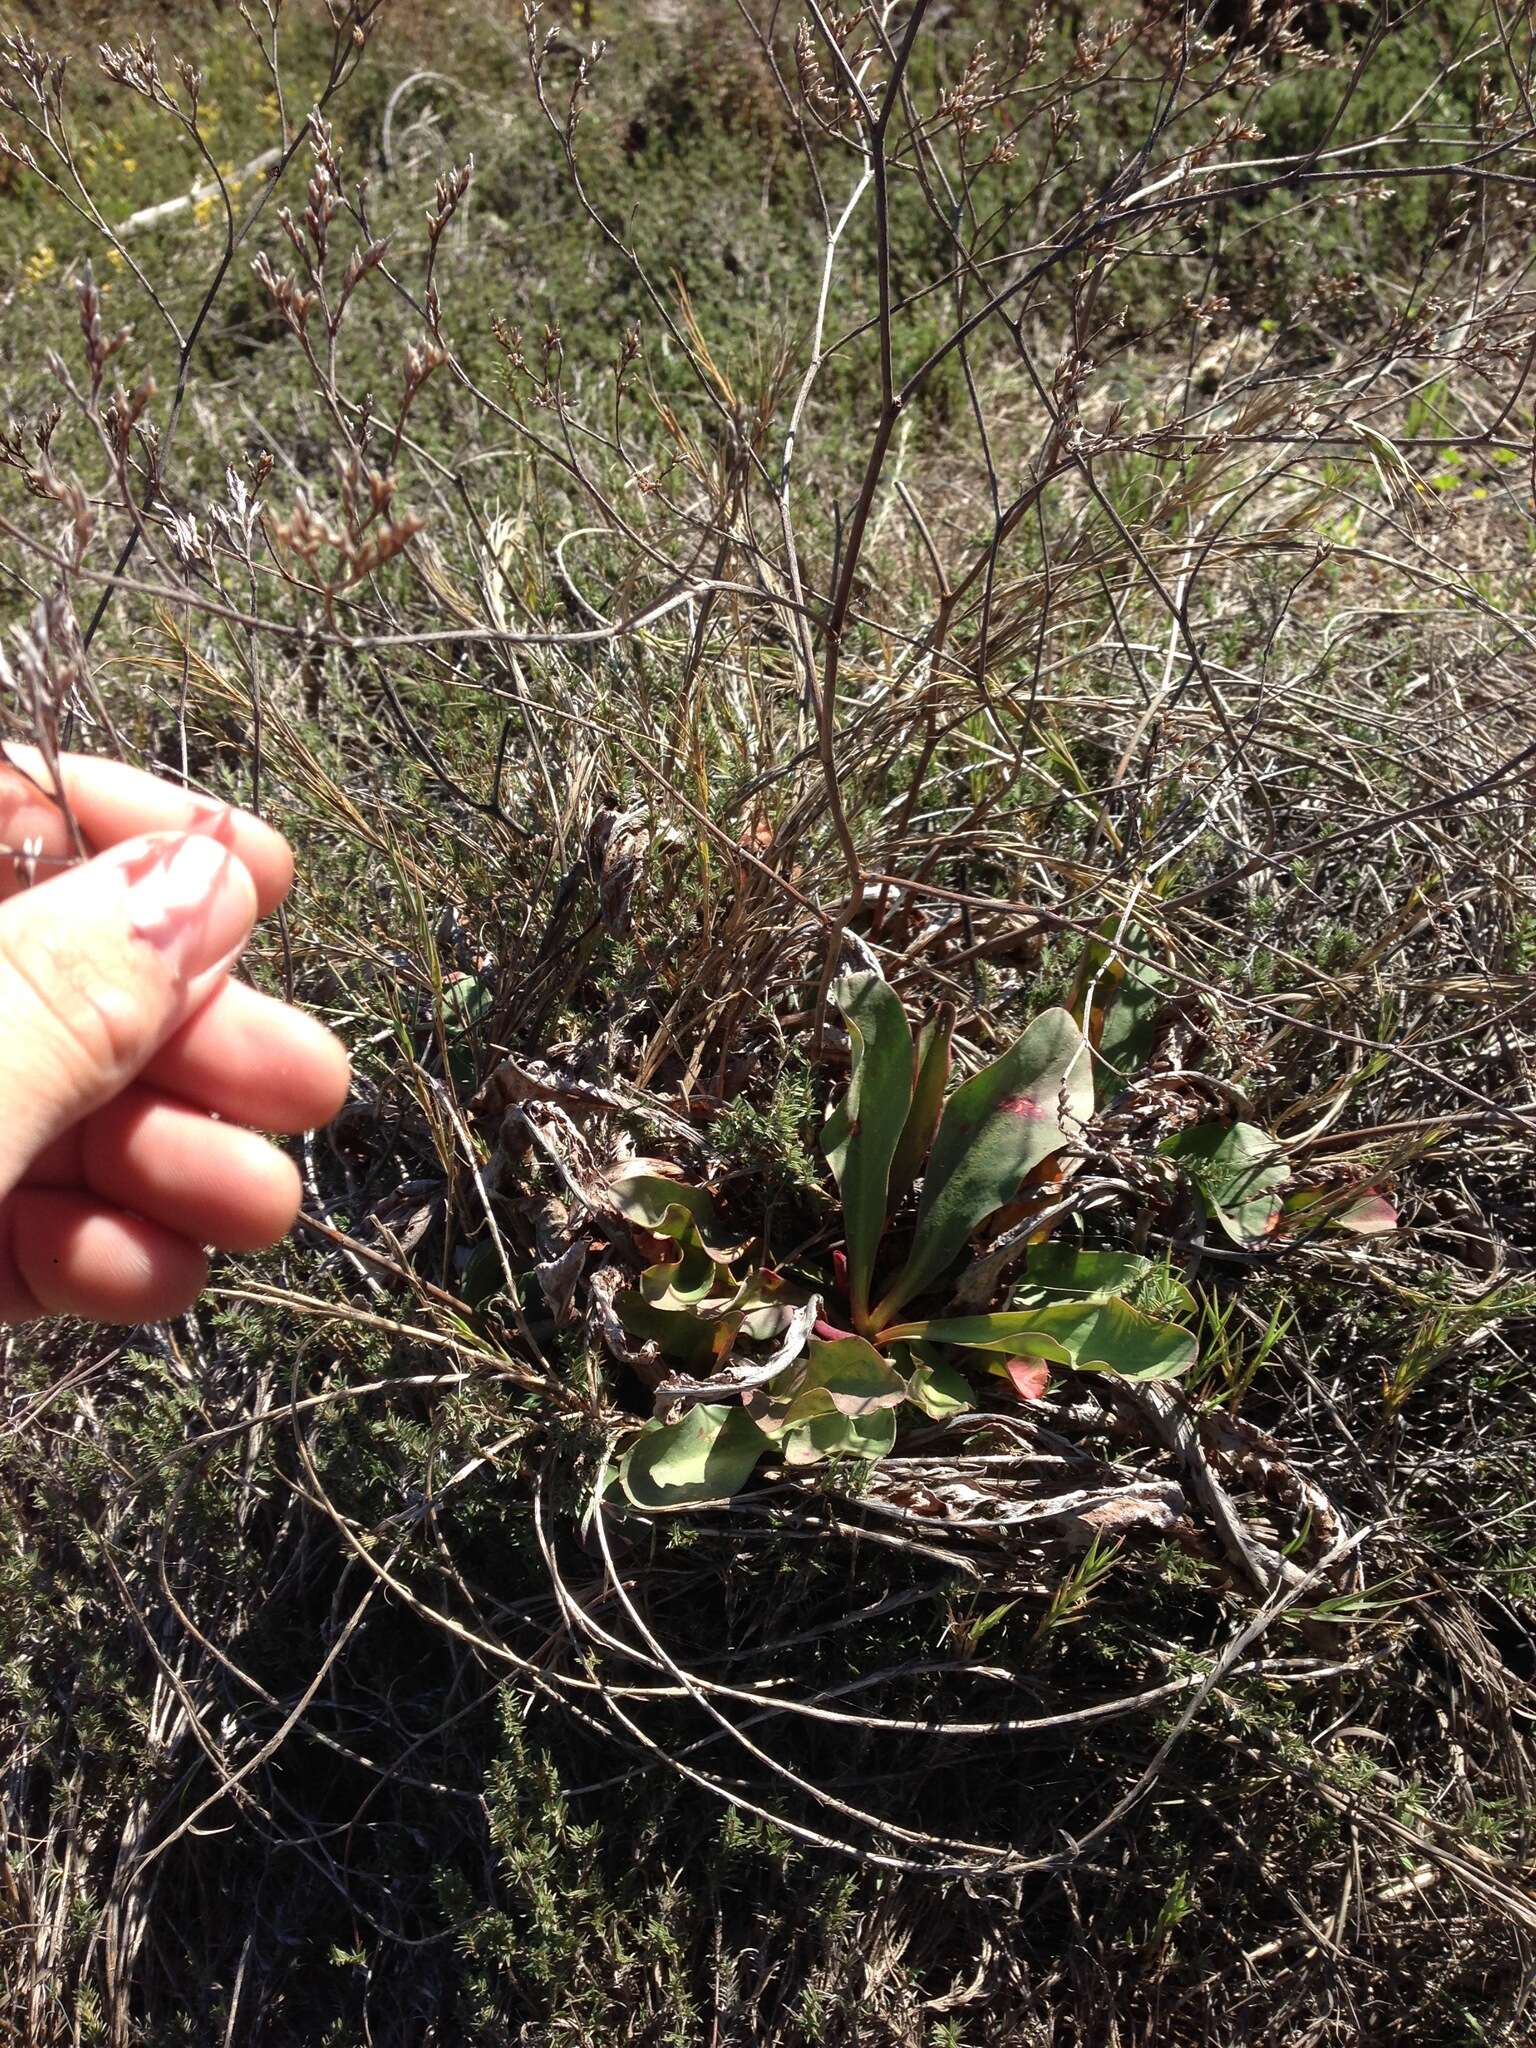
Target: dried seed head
450, 191
291, 301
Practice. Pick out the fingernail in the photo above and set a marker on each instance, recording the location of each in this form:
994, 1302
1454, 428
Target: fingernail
189, 898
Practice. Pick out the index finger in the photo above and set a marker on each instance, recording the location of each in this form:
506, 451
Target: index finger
112, 802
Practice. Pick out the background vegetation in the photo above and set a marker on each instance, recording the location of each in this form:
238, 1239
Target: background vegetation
542, 546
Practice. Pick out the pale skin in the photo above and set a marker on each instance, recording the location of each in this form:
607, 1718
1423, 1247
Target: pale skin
135, 1071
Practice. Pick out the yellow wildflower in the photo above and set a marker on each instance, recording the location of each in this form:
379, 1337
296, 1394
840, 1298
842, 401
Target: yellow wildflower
40, 264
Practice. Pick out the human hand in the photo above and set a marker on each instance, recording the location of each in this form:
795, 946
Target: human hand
130, 1061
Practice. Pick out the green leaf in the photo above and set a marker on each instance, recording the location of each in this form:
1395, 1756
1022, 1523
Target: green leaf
1065, 1269
1068, 1269
975, 1630
1111, 1336
1126, 995
841, 1436
861, 1135
708, 1454
670, 1208
1238, 1172
648, 1199
852, 1374
467, 1005
684, 1282
1007, 1330
939, 1390
931, 1080
764, 1306
1130, 1021
679, 1333
856, 1377
693, 1313
995, 1130
483, 1277
845, 1376
467, 1001
1090, 1336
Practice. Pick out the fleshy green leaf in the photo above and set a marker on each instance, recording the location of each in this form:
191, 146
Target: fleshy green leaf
931, 1079
843, 1376
852, 1374
467, 1000
1110, 1336
1053, 1270
1091, 1336
670, 1208
678, 1333
861, 1135
1068, 1269
708, 1454
1126, 995
691, 1310
1131, 1025
939, 1390
467, 1005
1007, 1330
684, 1282
841, 1436
1238, 1172
996, 1129
763, 1306
1130, 1017
483, 1277
646, 1198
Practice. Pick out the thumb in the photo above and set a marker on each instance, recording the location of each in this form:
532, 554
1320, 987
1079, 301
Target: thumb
98, 967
